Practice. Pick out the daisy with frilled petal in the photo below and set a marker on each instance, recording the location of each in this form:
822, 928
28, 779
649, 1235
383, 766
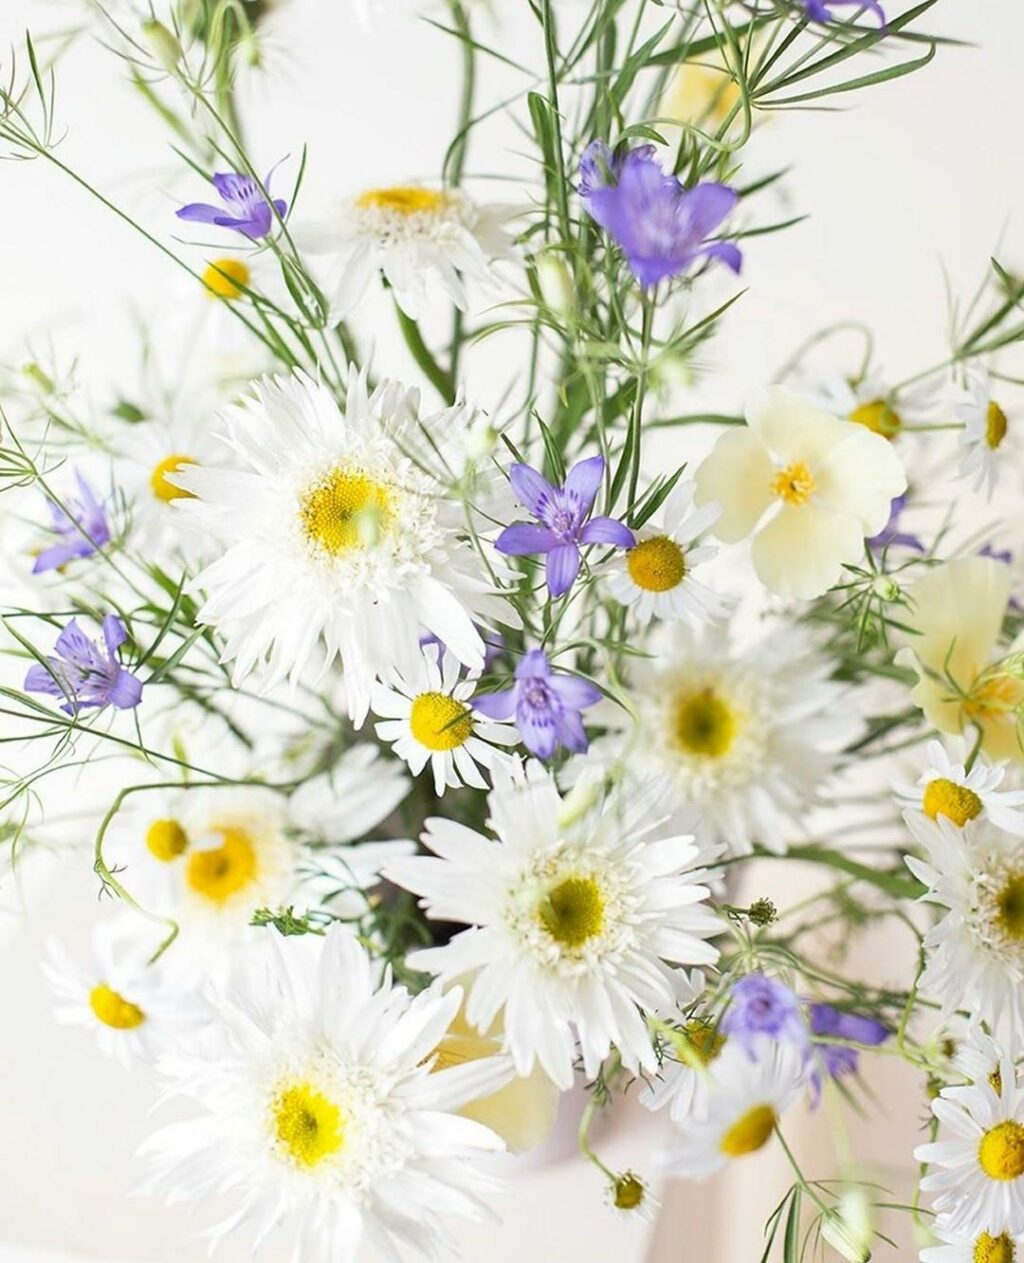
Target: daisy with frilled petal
809, 487
316, 1107
572, 924
429, 718
984, 438
655, 578
335, 542
946, 788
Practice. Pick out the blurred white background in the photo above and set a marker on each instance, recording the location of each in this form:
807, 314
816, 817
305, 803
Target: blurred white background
924, 173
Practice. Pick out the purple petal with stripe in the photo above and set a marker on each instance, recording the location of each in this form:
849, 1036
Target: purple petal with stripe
563, 565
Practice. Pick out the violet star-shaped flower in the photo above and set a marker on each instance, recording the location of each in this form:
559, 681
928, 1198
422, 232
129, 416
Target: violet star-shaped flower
546, 706
661, 227
890, 536
836, 1059
820, 10
82, 529
761, 1006
563, 514
85, 674
245, 208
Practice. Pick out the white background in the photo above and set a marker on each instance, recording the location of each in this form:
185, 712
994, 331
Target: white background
922, 173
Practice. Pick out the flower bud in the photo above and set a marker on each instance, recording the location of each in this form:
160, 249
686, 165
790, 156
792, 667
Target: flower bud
163, 44
884, 588
849, 1230
554, 281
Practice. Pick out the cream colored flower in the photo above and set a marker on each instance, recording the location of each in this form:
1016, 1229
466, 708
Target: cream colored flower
957, 613
702, 93
809, 487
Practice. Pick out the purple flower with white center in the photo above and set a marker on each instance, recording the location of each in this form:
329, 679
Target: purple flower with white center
761, 1006
83, 529
245, 209
835, 1059
820, 10
546, 706
84, 673
662, 227
890, 536
564, 520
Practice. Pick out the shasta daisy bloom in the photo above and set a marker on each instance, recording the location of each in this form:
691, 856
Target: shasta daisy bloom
655, 577
985, 431
420, 240
744, 1102
429, 718
82, 527
948, 789
571, 926
318, 1110
975, 952
809, 487
955, 615
979, 1058
331, 534
972, 1247
749, 738
84, 674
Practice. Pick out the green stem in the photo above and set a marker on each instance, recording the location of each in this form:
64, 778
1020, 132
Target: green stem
435, 374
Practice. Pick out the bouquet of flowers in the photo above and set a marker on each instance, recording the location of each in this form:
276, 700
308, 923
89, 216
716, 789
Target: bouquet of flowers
431, 742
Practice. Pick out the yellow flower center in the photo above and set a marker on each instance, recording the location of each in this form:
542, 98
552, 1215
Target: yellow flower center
345, 511
166, 840
219, 873
995, 1082
573, 911
227, 278
994, 1249
439, 722
161, 488
947, 798
1001, 1152
705, 724
656, 565
749, 1133
629, 1191
995, 698
112, 1009
704, 1040
404, 200
1010, 907
794, 484
308, 1126
878, 417
995, 425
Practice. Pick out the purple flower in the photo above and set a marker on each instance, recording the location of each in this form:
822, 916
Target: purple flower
494, 646
248, 211
565, 521
890, 535
835, 1059
83, 530
819, 10
662, 227
546, 705
761, 1006
84, 674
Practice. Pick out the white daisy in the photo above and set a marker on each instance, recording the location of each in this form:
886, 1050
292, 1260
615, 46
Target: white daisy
333, 535
135, 1008
948, 789
978, 1175
429, 717
419, 239
656, 577
741, 1108
972, 1247
985, 438
979, 1058
975, 953
748, 738
869, 401
321, 1113
571, 925
684, 1075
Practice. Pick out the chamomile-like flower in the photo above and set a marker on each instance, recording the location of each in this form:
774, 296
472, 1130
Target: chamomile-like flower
429, 718
979, 1058
985, 438
320, 1111
572, 925
335, 543
946, 788
740, 1110
870, 402
419, 239
746, 737
656, 576
972, 1247
683, 1077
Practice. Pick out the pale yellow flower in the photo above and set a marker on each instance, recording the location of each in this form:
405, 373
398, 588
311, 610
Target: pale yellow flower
701, 93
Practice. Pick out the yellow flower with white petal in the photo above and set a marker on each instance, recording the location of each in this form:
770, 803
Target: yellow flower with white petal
809, 488
988, 440
151, 455
956, 613
947, 789
972, 1247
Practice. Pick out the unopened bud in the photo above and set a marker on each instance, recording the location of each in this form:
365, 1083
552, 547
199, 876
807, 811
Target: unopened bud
844, 1241
554, 281
763, 912
884, 588
163, 44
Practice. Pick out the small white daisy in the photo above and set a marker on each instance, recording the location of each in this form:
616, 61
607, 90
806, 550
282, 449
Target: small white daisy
948, 789
978, 1175
684, 1075
429, 718
656, 577
975, 952
335, 543
869, 402
741, 1108
985, 438
320, 1111
979, 1058
572, 925
972, 1247
420, 240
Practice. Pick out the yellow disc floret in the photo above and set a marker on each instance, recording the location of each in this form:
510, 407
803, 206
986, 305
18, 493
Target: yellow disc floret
166, 840
994, 1249
1001, 1151
227, 278
628, 1192
439, 722
308, 1126
112, 1009
346, 510
573, 911
1010, 907
656, 565
158, 481
219, 873
703, 1041
995, 425
947, 798
749, 1133
877, 417
705, 724
795, 484
404, 200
